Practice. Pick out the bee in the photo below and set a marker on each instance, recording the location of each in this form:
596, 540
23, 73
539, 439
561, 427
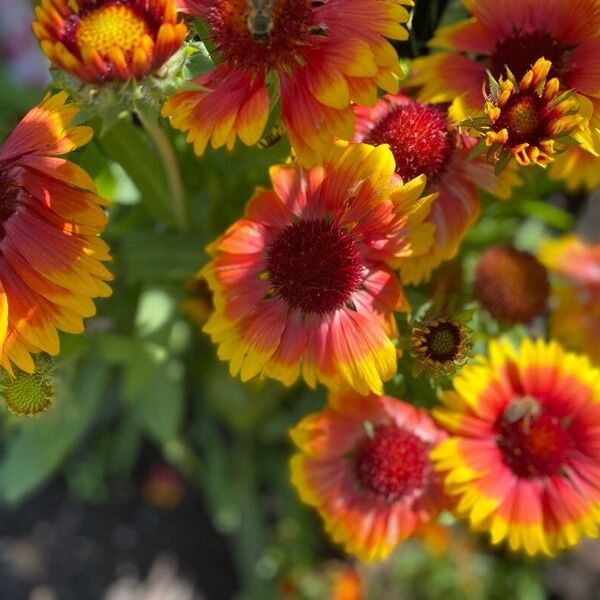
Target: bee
523, 408
272, 138
259, 19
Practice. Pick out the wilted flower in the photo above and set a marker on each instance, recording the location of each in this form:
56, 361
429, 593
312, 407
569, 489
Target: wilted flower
511, 284
113, 55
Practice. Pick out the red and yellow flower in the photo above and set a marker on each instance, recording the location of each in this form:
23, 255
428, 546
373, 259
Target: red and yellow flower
301, 284
528, 118
579, 169
524, 453
424, 140
103, 40
50, 255
575, 316
515, 34
364, 464
317, 56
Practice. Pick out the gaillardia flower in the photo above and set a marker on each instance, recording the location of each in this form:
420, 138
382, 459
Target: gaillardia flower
511, 284
301, 284
364, 465
104, 40
523, 456
441, 345
50, 255
515, 34
575, 306
424, 140
318, 56
527, 119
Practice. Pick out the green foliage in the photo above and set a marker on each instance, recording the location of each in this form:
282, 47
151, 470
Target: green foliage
34, 449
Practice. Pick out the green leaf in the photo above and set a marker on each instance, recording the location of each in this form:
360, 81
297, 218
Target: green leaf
502, 163
158, 407
552, 215
128, 145
155, 309
199, 62
146, 256
40, 446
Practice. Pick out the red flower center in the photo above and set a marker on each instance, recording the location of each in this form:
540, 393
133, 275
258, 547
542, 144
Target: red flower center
519, 52
419, 139
523, 120
392, 463
314, 265
534, 445
261, 33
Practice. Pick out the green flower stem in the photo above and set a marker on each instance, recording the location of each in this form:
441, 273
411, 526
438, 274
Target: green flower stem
169, 159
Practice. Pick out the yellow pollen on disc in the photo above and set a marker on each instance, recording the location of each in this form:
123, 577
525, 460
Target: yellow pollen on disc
524, 118
110, 26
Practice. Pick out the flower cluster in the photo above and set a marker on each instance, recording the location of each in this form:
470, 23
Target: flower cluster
331, 277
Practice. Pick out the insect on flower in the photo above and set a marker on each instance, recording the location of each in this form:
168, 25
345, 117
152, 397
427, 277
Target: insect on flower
522, 408
260, 19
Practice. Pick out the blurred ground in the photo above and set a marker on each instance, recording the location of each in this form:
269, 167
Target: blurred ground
52, 548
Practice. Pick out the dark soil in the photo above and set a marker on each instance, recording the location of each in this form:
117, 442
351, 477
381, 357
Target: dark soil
53, 548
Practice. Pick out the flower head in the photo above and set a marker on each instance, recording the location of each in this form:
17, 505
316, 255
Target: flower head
29, 394
523, 454
364, 464
425, 141
441, 344
575, 307
317, 56
50, 255
104, 40
301, 284
511, 284
574, 259
528, 119
515, 34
